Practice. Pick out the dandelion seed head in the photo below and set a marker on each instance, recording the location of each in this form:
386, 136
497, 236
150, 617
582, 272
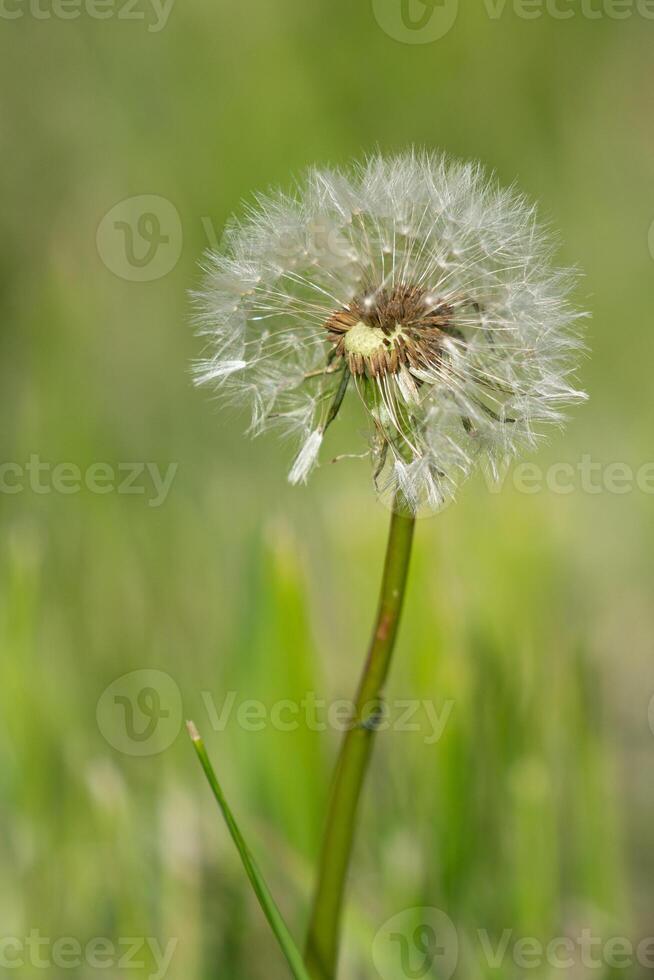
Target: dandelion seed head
414, 284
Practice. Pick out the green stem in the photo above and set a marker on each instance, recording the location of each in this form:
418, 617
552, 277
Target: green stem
321, 955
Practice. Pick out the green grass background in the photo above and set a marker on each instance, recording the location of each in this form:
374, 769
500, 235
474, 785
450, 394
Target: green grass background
532, 614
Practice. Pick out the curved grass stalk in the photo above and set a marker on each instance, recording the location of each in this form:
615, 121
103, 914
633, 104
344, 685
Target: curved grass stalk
267, 902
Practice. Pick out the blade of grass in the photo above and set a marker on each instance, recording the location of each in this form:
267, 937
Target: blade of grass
267, 902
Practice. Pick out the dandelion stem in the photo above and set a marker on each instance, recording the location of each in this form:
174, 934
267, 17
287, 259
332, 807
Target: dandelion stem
321, 955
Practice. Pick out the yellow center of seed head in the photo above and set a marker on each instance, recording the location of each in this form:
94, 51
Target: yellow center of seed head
364, 340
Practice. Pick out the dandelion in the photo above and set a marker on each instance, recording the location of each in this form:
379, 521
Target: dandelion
415, 285
427, 293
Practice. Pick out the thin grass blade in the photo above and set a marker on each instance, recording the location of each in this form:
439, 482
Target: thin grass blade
267, 902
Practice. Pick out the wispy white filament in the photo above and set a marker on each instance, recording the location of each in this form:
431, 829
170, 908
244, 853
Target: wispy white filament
219, 369
306, 458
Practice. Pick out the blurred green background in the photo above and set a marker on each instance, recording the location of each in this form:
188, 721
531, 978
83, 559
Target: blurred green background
529, 622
